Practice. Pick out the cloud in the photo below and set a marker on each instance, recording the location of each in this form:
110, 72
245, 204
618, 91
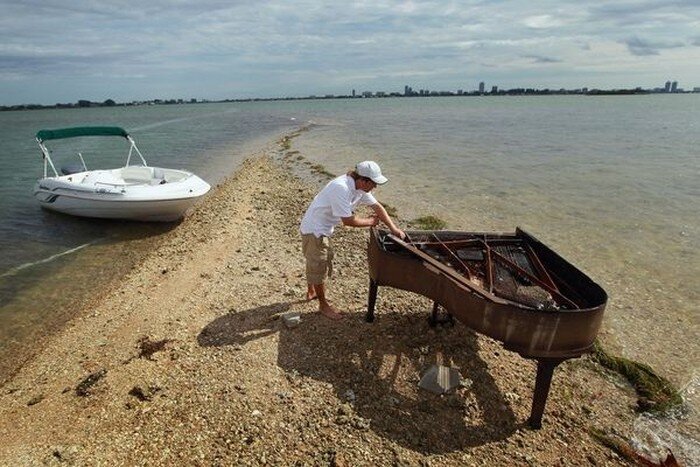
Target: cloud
541, 59
642, 47
644, 13
639, 47
542, 22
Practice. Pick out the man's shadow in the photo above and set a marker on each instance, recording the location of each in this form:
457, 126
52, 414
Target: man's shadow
379, 366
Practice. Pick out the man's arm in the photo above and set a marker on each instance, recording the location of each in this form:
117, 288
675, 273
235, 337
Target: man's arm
383, 216
356, 221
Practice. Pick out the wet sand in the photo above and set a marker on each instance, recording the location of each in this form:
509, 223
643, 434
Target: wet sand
192, 364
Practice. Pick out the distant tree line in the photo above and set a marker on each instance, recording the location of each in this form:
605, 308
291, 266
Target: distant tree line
423, 93
80, 104
85, 104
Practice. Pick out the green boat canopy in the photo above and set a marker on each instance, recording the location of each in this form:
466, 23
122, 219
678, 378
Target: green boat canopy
45, 135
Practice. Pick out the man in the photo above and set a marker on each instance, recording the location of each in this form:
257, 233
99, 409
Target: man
332, 205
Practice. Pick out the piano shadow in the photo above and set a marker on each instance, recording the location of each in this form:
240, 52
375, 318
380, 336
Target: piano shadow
376, 367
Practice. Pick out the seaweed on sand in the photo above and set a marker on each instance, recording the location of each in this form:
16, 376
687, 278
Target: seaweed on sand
84, 387
320, 169
655, 393
147, 347
626, 451
429, 223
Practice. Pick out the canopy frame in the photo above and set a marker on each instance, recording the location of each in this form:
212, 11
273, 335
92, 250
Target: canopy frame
76, 132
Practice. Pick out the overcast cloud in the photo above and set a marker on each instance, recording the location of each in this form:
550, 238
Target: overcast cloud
58, 51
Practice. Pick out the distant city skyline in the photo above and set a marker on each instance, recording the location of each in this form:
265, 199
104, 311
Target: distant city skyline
56, 52
670, 87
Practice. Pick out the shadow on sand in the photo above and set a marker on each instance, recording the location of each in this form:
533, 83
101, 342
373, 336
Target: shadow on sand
381, 363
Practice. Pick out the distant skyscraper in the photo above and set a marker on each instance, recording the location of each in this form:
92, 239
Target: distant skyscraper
494, 89
353, 93
667, 87
674, 86
481, 87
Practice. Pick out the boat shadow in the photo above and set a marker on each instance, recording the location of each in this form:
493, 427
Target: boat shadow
109, 230
377, 367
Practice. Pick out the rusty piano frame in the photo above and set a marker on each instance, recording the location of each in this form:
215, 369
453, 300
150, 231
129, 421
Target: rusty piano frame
563, 329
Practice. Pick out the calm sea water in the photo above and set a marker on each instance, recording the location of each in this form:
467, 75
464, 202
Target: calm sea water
610, 182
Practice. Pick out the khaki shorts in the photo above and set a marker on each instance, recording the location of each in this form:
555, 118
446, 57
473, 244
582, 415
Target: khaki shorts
319, 258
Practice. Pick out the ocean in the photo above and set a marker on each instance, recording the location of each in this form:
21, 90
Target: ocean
609, 182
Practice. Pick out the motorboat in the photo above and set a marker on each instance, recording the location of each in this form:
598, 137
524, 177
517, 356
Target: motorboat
133, 192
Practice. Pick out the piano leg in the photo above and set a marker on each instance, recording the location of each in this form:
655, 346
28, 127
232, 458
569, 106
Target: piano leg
435, 318
545, 370
371, 300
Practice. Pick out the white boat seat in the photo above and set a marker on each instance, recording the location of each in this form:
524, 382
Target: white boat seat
137, 174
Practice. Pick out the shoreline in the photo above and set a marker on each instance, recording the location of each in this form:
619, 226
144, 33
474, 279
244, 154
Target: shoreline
228, 383
41, 308
46, 306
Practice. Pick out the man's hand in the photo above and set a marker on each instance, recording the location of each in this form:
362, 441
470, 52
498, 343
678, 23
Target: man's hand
399, 233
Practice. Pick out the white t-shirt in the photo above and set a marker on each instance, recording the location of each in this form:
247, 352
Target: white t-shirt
336, 200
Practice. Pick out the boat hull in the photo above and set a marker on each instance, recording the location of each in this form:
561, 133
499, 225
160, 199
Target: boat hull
148, 211
160, 203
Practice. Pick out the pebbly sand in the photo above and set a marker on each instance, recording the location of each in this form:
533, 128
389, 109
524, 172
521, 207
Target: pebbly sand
192, 364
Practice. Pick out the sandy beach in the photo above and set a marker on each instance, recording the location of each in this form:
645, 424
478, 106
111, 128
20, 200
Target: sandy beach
187, 361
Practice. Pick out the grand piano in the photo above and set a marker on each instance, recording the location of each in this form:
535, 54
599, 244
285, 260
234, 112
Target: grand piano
508, 286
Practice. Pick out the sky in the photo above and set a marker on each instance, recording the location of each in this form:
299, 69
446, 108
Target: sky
58, 51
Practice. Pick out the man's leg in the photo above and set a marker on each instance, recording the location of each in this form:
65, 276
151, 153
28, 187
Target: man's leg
319, 257
324, 305
310, 292
307, 243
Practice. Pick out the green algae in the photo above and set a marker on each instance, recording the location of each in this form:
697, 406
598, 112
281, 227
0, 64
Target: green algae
655, 393
429, 223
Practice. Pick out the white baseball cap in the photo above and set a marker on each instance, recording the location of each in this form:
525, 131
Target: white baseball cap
371, 170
